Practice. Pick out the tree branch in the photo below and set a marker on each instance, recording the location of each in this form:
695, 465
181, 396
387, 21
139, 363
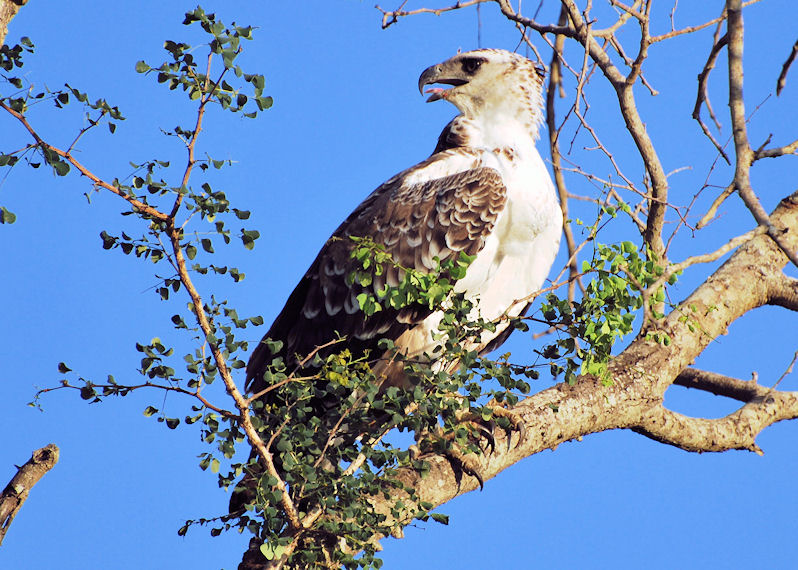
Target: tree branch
784, 293
782, 81
720, 385
738, 430
17, 490
8, 9
744, 153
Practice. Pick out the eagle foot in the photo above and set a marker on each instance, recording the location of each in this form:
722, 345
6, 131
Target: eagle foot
467, 463
500, 416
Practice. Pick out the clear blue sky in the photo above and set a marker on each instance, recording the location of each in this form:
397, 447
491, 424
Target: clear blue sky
347, 115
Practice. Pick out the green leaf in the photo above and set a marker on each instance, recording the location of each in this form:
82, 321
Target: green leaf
63, 368
249, 237
142, 67
108, 240
7, 217
270, 551
438, 517
207, 245
61, 168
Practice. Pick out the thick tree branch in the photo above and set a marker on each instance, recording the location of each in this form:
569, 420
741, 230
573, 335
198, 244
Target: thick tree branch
17, 490
784, 293
738, 430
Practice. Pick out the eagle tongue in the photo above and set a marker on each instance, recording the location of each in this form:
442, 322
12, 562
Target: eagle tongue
437, 93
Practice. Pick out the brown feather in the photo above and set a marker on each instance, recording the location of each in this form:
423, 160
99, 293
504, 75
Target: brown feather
415, 223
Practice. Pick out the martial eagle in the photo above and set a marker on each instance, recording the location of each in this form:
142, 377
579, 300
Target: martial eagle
484, 191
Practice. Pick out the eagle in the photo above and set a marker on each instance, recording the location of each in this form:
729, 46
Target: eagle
484, 191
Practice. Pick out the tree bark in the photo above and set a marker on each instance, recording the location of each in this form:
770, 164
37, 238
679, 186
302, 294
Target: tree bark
8, 9
19, 487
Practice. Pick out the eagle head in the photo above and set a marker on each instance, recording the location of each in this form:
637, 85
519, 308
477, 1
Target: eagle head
488, 83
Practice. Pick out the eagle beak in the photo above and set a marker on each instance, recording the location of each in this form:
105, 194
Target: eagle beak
428, 76
437, 74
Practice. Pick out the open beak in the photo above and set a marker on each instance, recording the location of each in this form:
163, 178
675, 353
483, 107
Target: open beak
437, 74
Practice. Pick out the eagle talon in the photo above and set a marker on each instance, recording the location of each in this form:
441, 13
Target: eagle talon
465, 463
487, 428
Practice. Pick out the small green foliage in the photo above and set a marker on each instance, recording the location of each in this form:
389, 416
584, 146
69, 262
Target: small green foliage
7, 217
183, 72
415, 287
605, 314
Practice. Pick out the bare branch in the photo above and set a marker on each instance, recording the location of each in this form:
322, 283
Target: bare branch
775, 152
702, 96
391, 17
788, 371
713, 209
555, 82
17, 490
691, 29
744, 153
720, 385
782, 81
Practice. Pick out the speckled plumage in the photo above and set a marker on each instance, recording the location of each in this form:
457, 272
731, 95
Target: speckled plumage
483, 191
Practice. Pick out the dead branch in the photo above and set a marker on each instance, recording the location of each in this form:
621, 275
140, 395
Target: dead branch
691, 29
789, 369
702, 96
782, 80
776, 152
713, 209
18, 489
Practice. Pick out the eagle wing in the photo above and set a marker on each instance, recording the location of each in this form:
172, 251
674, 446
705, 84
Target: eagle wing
415, 223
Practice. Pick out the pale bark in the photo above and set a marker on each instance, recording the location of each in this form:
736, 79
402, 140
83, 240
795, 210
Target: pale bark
8, 9
17, 490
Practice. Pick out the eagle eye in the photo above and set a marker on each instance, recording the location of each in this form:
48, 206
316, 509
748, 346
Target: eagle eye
471, 64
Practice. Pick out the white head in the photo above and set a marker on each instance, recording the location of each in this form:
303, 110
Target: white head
491, 84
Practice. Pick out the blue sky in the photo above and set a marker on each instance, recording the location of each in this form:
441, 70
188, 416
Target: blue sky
347, 115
